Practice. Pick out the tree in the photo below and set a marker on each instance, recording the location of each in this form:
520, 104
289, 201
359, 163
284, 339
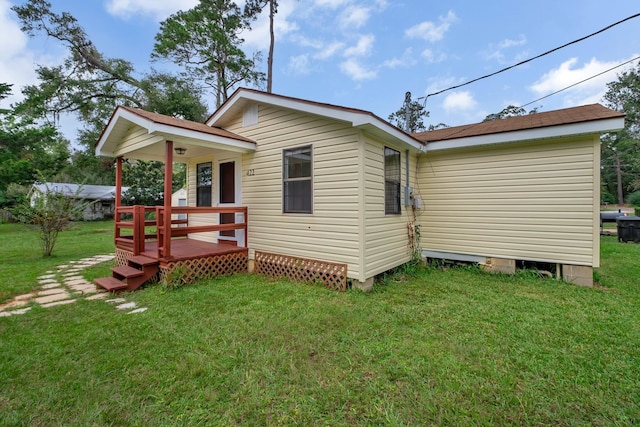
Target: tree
27, 150
206, 41
410, 117
620, 164
252, 9
146, 182
50, 213
89, 84
509, 111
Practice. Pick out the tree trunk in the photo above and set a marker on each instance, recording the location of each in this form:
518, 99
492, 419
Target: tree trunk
619, 179
271, 45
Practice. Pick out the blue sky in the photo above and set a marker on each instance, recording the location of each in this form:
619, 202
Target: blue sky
367, 54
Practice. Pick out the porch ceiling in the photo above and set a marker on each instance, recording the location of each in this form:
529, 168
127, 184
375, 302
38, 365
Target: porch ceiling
138, 134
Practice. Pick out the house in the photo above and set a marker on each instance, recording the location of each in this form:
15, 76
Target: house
99, 199
321, 192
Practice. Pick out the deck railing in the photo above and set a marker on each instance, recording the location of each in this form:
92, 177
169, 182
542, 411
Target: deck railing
143, 219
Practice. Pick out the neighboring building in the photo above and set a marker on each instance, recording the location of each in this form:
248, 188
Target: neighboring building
100, 199
303, 180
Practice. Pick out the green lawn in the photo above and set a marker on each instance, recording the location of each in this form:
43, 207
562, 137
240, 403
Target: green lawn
21, 260
456, 347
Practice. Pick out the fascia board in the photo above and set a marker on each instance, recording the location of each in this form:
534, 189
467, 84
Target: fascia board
592, 127
356, 119
178, 133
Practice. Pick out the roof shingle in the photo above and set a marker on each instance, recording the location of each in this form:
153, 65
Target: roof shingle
565, 116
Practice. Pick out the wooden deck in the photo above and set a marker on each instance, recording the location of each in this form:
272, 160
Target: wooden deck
186, 249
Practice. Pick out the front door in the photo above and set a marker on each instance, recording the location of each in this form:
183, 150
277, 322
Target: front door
229, 195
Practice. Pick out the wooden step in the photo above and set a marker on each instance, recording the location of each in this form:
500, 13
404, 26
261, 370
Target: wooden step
125, 271
110, 283
142, 260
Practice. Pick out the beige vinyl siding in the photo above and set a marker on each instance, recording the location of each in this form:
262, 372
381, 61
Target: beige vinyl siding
331, 232
137, 138
386, 236
529, 201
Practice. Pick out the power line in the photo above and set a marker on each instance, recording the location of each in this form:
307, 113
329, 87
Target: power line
531, 59
580, 82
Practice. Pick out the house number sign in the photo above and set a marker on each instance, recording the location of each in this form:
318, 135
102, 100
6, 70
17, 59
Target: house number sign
251, 172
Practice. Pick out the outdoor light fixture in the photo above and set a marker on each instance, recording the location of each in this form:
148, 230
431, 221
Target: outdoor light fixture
180, 151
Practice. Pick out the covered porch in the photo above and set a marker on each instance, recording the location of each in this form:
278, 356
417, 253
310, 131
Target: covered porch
194, 238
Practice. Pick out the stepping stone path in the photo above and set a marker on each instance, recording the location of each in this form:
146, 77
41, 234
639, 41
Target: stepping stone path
65, 285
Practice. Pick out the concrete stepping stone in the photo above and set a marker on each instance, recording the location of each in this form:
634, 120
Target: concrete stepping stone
20, 310
51, 285
51, 291
47, 281
116, 300
126, 306
74, 281
85, 289
56, 303
23, 297
46, 276
138, 310
102, 295
51, 298
13, 304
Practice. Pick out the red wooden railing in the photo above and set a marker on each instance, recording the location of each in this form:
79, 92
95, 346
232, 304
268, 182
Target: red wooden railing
135, 218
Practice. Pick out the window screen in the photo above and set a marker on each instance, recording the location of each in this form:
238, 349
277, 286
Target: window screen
203, 184
391, 181
297, 185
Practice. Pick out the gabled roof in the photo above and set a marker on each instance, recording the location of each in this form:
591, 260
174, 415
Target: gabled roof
363, 119
88, 192
587, 119
185, 124
159, 128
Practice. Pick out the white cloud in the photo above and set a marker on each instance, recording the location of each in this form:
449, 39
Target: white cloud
362, 48
431, 31
407, 60
158, 9
331, 4
459, 101
429, 56
258, 37
326, 51
354, 17
570, 72
496, 50
356, 71
299, 65
16, 61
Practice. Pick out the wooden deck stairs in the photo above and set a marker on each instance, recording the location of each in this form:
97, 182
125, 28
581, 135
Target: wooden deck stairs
130, 277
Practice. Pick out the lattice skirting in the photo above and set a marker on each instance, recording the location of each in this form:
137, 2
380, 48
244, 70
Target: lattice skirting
122, 257
191, 270
333, 275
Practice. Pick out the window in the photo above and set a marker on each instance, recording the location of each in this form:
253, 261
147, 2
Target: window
297, 180
391, 181
203, 184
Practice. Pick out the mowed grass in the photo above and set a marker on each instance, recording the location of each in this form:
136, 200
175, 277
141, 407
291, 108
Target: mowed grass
21, 260
444, 347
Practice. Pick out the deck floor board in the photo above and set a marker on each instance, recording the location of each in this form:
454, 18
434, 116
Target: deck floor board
182, 249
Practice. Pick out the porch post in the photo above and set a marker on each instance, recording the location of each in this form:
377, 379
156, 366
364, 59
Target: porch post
118, 182
168, 178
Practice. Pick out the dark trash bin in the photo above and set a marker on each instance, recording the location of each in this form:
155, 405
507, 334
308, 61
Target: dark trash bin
628, 229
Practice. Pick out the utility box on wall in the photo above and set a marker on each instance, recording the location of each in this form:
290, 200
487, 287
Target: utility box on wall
408, 194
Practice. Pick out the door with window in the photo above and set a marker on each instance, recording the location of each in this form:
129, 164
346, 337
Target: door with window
229, 194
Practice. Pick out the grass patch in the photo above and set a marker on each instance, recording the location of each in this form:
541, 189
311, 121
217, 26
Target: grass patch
455, 347
21, 254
